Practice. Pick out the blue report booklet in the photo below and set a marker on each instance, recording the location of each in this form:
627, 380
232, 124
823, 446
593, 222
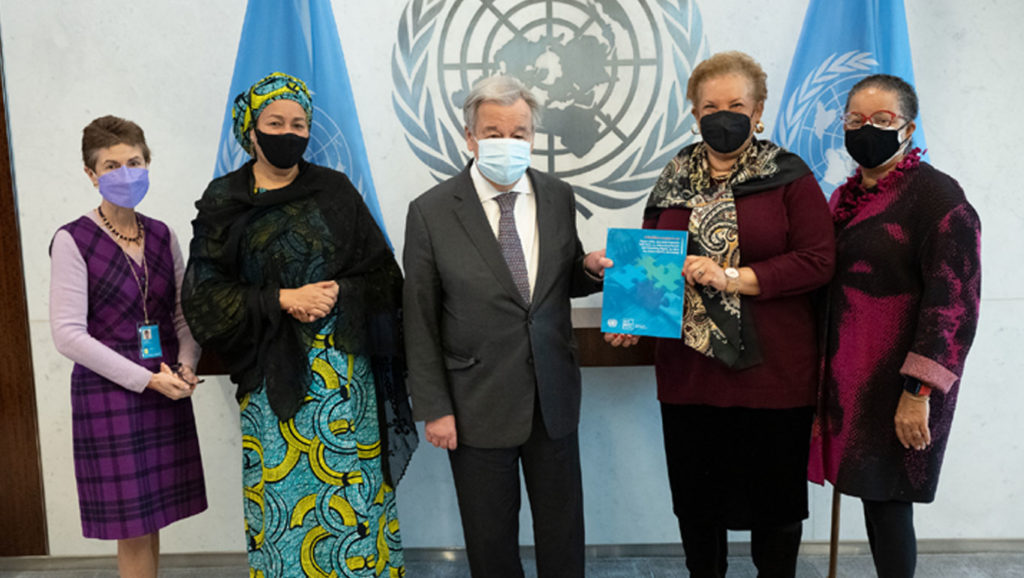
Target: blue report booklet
643, 292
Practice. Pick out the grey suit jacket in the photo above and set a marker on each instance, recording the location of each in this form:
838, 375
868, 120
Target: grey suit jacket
473, 347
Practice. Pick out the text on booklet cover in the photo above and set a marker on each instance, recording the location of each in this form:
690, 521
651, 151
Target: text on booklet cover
643, 292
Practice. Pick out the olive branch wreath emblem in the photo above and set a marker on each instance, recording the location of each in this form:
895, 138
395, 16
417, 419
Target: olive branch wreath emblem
796, 109
627, 184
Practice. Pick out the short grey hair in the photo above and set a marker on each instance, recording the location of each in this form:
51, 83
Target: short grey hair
500, 89
905, 93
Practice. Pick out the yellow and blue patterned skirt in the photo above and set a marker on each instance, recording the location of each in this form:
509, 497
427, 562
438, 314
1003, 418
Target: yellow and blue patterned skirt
316, 503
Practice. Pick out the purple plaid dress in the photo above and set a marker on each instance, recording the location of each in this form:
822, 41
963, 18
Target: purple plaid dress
137, 460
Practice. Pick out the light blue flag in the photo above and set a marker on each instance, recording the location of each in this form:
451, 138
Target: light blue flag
842, 41
300, 38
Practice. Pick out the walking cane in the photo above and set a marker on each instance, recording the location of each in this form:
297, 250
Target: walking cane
833, 546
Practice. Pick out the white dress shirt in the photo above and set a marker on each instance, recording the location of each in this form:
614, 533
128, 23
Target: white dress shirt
525, 213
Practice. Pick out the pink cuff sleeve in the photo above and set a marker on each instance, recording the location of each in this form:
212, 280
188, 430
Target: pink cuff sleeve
929, 372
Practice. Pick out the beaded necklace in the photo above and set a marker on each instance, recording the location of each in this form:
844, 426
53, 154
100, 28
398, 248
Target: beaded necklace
143, 283
140, 228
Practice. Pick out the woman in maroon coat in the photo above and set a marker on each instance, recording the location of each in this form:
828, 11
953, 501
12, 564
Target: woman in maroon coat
738, 388
902, 312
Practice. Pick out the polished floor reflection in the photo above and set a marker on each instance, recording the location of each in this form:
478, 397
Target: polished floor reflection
981, 565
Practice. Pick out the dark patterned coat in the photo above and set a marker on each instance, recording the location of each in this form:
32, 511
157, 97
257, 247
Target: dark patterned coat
904, 301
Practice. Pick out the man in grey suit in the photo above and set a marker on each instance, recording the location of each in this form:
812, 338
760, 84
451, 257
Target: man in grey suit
491, 262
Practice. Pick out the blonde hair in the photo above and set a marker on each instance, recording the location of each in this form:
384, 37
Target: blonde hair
732, 62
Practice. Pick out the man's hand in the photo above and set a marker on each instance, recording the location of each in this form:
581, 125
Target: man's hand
441, 432
621, 339
595, 262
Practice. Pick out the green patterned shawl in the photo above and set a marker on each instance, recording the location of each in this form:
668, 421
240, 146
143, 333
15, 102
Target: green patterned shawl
246, 246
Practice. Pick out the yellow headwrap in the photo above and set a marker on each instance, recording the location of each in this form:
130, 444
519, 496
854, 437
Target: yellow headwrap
250, 103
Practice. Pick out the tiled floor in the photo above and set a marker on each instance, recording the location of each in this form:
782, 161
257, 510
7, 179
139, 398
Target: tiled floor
994, 565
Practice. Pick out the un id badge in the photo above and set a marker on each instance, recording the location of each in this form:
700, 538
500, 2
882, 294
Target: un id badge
149, 341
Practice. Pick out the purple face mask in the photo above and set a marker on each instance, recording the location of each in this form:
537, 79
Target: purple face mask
125, 187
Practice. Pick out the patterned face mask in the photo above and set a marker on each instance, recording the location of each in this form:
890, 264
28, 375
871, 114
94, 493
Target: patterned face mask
871, 146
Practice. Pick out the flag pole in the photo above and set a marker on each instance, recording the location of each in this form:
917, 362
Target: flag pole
833, 546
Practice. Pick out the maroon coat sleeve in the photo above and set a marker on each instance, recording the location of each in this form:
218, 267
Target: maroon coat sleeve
810, 256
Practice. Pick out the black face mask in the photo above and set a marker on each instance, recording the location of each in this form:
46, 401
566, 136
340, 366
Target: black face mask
725, 131
871, 146
282, 150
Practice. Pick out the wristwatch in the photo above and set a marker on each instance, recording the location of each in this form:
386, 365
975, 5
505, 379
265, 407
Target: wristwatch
915, 386
732, 280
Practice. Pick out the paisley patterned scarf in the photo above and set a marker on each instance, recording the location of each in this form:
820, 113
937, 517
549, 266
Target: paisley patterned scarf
713, 320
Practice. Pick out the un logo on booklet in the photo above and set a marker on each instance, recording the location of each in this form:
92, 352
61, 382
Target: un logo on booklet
611, 78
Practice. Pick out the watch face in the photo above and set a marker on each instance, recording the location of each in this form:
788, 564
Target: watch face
912, 385
732, 273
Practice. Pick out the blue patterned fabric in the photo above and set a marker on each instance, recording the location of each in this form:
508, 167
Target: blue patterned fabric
316, 503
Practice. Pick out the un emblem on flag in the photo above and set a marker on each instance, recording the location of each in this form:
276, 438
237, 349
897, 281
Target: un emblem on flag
810, 121
610, 76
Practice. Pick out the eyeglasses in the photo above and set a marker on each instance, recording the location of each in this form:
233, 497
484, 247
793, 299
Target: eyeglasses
879, 118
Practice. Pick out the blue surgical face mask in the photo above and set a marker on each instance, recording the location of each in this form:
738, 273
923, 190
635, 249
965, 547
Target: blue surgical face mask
503, 160
125, 187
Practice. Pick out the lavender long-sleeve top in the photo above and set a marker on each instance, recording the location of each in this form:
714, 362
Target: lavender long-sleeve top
69, 307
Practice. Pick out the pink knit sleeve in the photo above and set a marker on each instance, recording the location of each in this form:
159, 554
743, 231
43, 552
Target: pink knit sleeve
69, 307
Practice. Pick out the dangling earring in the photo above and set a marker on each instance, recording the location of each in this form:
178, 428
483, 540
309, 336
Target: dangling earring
759, 127
695, 128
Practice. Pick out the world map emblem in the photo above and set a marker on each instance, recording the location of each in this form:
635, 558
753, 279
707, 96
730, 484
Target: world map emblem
610, 76
810, 121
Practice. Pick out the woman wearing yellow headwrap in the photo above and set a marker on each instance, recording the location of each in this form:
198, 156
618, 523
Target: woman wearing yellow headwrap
291, 281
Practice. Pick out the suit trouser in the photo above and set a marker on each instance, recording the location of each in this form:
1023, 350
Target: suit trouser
487, 485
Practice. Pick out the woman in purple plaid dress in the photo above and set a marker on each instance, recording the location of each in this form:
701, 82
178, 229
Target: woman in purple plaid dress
115, 312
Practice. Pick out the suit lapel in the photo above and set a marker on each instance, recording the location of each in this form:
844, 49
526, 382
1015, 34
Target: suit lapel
471, 214
547, 231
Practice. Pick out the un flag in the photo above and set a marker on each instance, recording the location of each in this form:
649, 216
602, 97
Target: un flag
841, 42
300, 38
